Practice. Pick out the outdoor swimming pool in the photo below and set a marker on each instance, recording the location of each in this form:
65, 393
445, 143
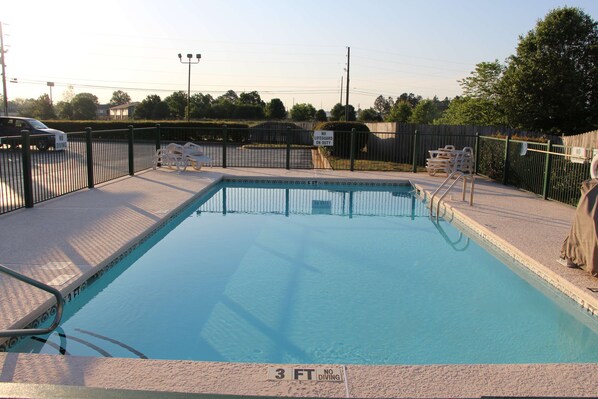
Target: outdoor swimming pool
304, 273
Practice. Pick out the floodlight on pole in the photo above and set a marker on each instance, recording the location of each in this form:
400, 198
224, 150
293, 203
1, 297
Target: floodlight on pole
189, 62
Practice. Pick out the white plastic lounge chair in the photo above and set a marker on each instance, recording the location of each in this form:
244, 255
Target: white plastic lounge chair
181, 156
464, 161
448, 160
440, 160
172, 155
195, 156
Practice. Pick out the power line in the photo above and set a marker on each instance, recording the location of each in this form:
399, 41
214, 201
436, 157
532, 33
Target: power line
170, 90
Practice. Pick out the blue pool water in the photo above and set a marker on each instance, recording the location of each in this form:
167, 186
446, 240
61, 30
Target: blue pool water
319, 274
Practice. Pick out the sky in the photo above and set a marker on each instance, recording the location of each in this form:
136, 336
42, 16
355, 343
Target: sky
292, 50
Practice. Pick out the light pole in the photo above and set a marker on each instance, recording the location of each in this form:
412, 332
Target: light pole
3, 54
50, 85
189, 61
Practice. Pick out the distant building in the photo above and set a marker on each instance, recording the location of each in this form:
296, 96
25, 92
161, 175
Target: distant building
102, 111
124, 111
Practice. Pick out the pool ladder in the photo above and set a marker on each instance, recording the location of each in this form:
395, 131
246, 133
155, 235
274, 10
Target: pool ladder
42, 286
457, 175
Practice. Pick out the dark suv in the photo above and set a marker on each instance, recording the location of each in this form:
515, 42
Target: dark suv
41, 135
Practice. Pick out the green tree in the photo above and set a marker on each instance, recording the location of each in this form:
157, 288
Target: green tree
177, 104
303, 112
472, 111
27, 107
249, 106
410, 98
44, 109
119, 97
424, 112
222, 109
400, 112
145, 109
161, 111
337, 113
321, 115
64, 110
248, 111
84, 106
275, 109
369, 115
200, 105
229, 96
480, 104
383, 105
551, 84
484, 81
441, 105
251, 98
68, 94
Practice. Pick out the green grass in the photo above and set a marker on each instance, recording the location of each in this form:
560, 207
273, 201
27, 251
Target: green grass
364, 164
265, 145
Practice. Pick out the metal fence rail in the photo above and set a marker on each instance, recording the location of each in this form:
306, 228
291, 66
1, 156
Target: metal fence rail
11, 181
541, 168
566, 174
29, 176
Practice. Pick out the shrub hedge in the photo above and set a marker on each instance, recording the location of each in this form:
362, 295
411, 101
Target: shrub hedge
172, 130
342, 136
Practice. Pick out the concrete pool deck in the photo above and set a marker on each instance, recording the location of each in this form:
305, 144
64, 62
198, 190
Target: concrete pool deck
65, 241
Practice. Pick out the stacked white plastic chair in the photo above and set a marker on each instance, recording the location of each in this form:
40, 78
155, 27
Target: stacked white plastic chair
181, 156
448, 160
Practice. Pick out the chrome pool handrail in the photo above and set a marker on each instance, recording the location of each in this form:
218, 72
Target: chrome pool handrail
42, 286
457, 175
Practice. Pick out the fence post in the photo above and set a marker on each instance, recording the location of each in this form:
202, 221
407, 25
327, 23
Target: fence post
224, 140
288, 147
477, 153
158, 137
131, 151
27, 170
505, 171
414, 151
352, 152
89, 157
547, 170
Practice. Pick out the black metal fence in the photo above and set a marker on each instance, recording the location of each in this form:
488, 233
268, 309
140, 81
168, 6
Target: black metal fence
551, 171
29, 176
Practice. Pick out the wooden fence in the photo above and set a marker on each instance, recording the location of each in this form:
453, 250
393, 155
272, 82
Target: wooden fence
585, 140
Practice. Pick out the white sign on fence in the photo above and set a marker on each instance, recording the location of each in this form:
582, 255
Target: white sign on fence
578, 155
324, 138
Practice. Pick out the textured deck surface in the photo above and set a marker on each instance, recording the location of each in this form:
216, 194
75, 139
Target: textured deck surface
66, 240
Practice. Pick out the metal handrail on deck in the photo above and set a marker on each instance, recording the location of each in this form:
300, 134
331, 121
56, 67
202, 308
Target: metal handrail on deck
459, 175
42, 286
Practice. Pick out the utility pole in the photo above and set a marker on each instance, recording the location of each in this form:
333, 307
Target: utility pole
2, 53
348, 66
341, 100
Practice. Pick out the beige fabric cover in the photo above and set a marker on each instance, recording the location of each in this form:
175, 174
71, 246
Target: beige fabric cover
581, 246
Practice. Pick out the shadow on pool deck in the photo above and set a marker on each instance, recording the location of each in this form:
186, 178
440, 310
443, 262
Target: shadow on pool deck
83, 231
